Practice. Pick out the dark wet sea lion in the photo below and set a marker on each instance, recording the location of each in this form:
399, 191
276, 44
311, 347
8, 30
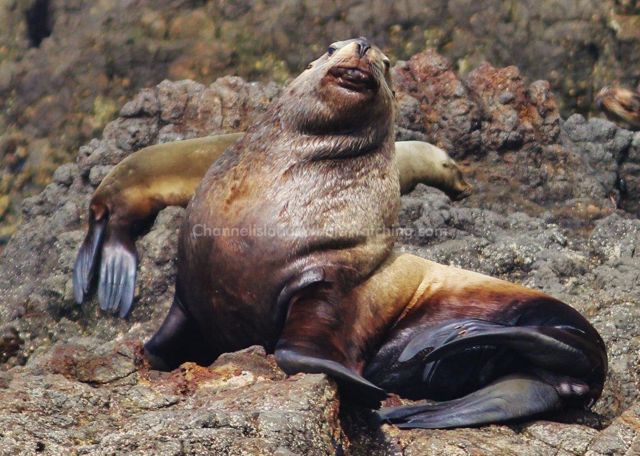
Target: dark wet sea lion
155, 177
620, 105
288, 241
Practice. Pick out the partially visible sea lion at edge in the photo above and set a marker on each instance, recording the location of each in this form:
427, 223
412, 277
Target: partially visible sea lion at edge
620, 105
288, 243
162, 175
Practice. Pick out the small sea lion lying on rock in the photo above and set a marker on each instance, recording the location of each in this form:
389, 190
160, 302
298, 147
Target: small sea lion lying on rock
621, 106
137, 188
288, 243
423, 163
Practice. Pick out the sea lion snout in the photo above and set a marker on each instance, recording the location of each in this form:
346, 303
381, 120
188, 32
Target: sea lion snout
600, 97
363, 46
462, 190
357, 52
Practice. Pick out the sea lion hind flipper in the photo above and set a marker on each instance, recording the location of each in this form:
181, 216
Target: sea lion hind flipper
509, 398
443, 336
178, 340
86, 262
559, 349
353, 387
118, 269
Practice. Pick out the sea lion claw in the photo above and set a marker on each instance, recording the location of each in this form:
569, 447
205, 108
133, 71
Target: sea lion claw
509, 398
84, 268
117, 275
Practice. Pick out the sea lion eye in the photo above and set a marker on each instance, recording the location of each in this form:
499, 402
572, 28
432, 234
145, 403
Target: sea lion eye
331, 49
387, 64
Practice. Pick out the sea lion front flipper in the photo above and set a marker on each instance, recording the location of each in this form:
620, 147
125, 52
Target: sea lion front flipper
311, 341
508, 398
86, 263
353, 387
117, 272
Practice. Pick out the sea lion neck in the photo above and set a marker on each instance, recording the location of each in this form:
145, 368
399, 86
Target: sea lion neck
297, 144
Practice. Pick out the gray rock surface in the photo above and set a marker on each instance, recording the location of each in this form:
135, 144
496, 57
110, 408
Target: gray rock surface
544, 215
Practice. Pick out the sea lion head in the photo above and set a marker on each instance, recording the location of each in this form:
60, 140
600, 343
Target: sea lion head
345, 91
448, 176
458, 188
620, 104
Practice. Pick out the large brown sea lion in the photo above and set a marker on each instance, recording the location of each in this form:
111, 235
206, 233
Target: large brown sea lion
155, 177
620, 105
288, 241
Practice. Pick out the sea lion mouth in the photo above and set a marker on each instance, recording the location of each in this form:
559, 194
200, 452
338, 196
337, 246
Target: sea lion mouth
354, 79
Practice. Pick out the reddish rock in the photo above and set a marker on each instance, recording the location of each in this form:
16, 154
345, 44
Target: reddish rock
450, 118
513, 116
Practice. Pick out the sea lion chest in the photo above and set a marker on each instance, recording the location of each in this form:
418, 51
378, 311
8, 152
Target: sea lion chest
255, 227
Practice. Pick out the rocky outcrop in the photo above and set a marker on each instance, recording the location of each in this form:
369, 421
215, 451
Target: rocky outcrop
87, 397
543, 214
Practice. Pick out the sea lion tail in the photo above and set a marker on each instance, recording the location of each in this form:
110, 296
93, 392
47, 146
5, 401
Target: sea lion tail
84, 268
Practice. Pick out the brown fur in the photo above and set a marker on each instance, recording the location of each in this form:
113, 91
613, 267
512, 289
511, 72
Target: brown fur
156, 177
620, 105
322, 287
421, 162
